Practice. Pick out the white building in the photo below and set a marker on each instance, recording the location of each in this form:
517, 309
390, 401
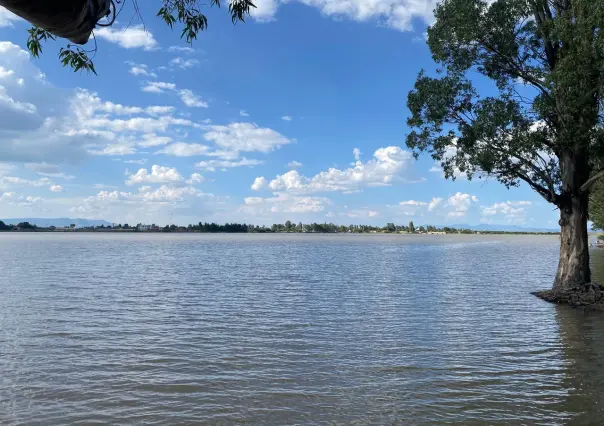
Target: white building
142, 227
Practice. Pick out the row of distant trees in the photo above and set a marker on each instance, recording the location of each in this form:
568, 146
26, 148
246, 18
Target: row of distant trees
287, 227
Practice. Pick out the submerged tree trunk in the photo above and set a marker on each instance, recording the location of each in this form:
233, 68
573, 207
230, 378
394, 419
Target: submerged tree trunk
573, 267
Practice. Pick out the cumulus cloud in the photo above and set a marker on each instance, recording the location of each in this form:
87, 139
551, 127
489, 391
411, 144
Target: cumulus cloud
243, 113
245, 137
195, 178
158, 87
396, 14
56, 188
387, 166
190, 99
259, 183
460, 204
151, 139
135, 37
159, 174
511, 211
7, 18
294, 164
19, 200
357, 154
285, 203
140, 69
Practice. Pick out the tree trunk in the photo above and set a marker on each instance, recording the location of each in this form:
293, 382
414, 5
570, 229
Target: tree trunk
573, 267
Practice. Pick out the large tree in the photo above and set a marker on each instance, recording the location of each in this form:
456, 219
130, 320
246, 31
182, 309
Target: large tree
68, 17
537, 117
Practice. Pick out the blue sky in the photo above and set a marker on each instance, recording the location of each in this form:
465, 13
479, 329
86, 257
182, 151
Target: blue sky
298, 114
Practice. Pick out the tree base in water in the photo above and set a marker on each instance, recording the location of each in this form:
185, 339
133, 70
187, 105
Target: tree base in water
588, 295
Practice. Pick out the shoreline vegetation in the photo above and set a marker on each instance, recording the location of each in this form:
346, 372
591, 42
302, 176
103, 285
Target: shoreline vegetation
287, 227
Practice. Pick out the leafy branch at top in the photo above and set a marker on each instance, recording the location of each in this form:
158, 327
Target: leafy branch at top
185, 12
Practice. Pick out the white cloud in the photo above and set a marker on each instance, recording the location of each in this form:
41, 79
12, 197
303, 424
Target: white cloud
285, 203
140, 69
140, 161
195, 178
135, 37
265, 10
39, 122
361, 214
6, 73
7, 18
212, 165
184, 63
386, 167
120, 148
294, 164
396, 14
434, 203
56, 188
286, 118
460, 204
511, 211
259, 183
19, 200
190, 99
11, 181
357, 154
158, 87
243, 113
246, 137
182, 49
159, 174
151, 139
181, 149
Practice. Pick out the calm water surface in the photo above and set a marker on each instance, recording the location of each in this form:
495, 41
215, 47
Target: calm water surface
300, 329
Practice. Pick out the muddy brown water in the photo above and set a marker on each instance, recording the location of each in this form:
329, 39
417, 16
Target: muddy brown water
298, 329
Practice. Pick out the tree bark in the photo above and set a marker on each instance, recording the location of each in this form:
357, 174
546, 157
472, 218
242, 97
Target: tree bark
573, 266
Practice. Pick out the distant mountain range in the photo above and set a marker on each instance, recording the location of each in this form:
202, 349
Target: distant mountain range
504, 228
58, 222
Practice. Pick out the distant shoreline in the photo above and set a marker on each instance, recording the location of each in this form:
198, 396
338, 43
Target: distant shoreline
135, 231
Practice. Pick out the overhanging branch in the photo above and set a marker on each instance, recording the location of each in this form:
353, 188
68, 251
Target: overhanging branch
587, 185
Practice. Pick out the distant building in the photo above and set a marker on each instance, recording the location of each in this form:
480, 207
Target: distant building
144, 227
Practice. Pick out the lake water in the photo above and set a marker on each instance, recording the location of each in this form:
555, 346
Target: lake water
292, 329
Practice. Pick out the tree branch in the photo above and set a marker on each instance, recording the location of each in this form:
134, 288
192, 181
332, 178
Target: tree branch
589, 183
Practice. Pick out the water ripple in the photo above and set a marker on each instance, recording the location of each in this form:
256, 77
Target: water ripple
300, 329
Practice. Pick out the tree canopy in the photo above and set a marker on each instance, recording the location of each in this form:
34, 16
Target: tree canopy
544, 61
186, 14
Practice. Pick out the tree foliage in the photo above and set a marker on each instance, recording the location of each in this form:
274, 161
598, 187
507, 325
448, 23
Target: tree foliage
596, 206
538, 118
187, 13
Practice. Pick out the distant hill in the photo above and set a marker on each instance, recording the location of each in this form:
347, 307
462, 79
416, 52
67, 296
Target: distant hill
58, 222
